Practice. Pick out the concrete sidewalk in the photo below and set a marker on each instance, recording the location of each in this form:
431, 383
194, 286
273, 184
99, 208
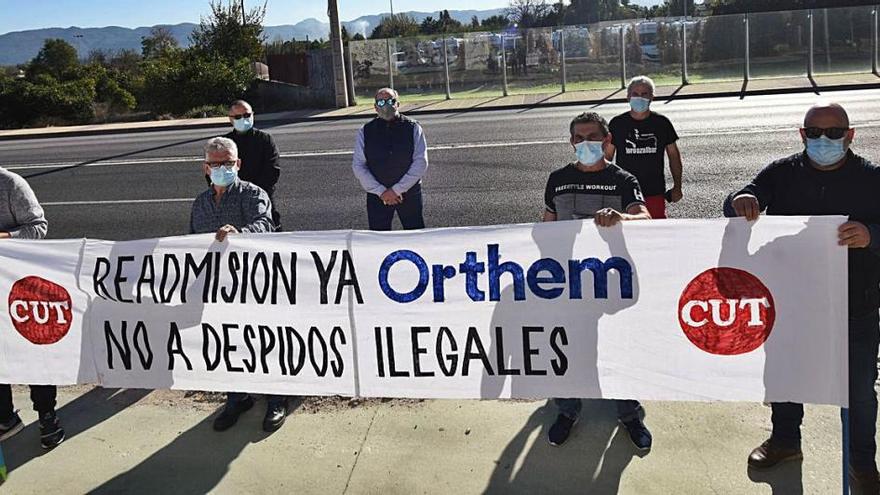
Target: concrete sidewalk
818, 85
131, 441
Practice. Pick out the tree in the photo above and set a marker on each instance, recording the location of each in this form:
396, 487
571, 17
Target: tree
57, 58
358, 37
495, 23
397, 25
159, 43
475, 23
230, 34
528, 13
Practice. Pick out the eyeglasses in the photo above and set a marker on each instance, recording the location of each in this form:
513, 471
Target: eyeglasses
381, 102
242, 116
831, 132
227, 164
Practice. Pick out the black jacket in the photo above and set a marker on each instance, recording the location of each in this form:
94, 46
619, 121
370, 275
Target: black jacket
791, 186
259, 158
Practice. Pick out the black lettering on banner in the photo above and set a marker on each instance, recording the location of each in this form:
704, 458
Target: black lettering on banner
337, 365
500, 356
175, 346
124, 349
278, 272
245, 268
102, 271
233, 264
390, 344
267, 343
453, 347
281, 351
141, 330
250, 334
315, 335
190, 266
208, 330
345, 279
118, 280
560, 365
215, 280
473, 339
165, 291
528, 351
148, 276
228, 348
417, 351
380, 355
261, 264
301, 359
324, 272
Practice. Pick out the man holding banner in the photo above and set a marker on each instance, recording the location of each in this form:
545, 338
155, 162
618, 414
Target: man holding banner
229, 207
594, 188
829, 179
21, 217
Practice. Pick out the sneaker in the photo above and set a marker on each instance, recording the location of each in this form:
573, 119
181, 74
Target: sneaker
231, 411
51, 433
276, 413
11, 427
638, 433
561, 430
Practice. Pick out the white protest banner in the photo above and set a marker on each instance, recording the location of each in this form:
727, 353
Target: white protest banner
42, 334
664, 310
266, 314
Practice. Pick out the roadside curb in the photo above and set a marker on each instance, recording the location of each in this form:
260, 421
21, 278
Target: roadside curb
332, 118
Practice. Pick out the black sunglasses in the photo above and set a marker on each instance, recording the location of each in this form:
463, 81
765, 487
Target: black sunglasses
242, 116
381, 102
227, 164
831, 132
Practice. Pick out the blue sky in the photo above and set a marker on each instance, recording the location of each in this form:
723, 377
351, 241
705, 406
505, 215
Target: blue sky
20, 15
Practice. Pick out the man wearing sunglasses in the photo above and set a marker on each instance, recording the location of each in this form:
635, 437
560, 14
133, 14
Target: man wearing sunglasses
230, 206
260, 162
829, 179
390, 158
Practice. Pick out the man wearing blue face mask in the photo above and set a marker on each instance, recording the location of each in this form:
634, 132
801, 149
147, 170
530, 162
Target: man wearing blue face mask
594, 188
260, 160
641, 140
231, 206
829, 179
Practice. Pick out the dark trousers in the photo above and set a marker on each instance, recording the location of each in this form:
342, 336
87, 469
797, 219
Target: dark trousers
864, 338
627, 410
43, 397
380, 215
276, 217
271, 400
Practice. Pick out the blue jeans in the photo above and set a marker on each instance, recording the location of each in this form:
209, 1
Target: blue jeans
627, 410
271, 400
864, 338
380, 215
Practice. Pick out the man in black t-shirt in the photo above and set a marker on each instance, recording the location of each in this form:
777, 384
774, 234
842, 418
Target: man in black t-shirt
594, 188
641, 138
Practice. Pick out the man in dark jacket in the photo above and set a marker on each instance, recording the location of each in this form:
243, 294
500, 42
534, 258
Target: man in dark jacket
390, 158
260, 162
829, 179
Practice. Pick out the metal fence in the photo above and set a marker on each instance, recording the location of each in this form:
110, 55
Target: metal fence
677, 50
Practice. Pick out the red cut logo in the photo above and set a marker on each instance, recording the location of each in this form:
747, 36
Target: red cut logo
726, 311
41, 310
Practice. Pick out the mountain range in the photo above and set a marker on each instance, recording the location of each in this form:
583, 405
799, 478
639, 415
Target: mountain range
21, 46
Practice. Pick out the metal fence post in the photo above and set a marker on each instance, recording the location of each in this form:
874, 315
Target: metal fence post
874, 41
503, 66
562, 50
684, 48
446, 69
810, 51
747, 70
623, 56
390, 64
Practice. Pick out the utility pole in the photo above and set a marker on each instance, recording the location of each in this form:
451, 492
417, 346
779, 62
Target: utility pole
243, 17
341, 92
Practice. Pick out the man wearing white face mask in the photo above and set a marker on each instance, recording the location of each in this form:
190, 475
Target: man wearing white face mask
594, 188
641, 140
260, 160
829, 179
232, 206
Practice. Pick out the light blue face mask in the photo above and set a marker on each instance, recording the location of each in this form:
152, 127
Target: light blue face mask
639, 104
589, 152
825, 152
223, 176
243, 124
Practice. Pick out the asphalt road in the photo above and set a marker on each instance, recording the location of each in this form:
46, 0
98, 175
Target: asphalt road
486, 167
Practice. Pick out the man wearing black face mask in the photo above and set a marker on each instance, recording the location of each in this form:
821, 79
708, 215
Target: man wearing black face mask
829, 179
390, 159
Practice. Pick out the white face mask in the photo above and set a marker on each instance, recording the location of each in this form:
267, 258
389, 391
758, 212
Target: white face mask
589, 152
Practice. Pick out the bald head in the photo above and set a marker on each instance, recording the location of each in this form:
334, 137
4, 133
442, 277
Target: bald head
826, 115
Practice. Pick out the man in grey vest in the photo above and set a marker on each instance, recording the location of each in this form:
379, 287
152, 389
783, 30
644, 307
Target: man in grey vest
390, 158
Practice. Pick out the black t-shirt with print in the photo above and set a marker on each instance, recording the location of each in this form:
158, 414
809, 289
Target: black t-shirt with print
641, 147
573, 194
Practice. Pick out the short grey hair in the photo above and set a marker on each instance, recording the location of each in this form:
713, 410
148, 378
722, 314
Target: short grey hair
241, 103
388, 90
640, 81
220, 144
